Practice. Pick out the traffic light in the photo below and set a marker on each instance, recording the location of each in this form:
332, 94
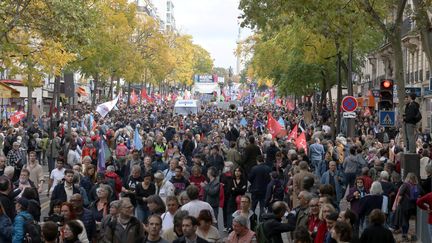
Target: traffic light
386, 95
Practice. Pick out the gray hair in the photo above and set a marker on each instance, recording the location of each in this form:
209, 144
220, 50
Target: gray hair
9, 171
115, 203
384, 175
241, 220
376, 188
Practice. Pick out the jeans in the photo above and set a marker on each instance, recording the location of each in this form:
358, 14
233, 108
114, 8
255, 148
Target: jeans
410, 134
430, 231
258, 197
315, 164
141, 213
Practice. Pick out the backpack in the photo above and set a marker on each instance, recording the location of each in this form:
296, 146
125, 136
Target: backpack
31, 231
418, 117
261, 236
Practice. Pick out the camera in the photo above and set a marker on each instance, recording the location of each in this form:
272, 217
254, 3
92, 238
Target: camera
58, 219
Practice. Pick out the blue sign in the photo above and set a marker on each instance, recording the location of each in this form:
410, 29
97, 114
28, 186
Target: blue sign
387, 118
416, 91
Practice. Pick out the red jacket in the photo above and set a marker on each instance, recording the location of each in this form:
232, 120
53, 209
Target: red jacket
426, 199
110, 175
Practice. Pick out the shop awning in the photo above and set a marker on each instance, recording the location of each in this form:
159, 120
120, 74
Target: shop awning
7, 92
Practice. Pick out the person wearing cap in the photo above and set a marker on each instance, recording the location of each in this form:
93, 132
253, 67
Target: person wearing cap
22, 216
164, 188
240, 233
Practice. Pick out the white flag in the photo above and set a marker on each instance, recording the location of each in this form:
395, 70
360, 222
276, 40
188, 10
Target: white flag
104, 108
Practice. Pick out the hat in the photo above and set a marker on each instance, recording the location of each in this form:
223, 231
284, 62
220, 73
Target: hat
100, 175
23, 202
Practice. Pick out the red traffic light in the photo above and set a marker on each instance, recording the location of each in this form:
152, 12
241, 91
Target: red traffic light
386, 84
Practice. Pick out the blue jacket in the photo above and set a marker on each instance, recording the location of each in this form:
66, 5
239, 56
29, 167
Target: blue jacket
89, 222
5, 228
325, 179
18, 226
316, 152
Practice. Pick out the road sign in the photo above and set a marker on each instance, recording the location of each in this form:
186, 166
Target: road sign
349, 115
349, 103
375, 93
415, 90
387, 118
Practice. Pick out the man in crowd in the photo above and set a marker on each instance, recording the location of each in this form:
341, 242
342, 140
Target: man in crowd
189, 228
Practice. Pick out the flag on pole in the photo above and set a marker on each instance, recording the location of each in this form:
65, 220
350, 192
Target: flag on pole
137, 140
301, 142
273, 126
101, 156
16, 117
293, 133
104, 108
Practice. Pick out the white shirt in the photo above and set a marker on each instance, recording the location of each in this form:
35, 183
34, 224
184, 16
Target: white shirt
194, 208
57, 176
167, 189
167, 221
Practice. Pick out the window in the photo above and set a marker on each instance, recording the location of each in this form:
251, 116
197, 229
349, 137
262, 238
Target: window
421, 75
427, 75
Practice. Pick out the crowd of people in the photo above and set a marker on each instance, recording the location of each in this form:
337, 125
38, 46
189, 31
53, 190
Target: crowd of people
144, 174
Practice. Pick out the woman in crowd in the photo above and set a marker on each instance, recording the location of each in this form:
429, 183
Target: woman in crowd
156, 205
142, 191
325, 210
89, 178
348, 216
356, 193
403, 206
108, 219
314, 220
211, 190
72, 230
237, 189
100, 207
68, 214
375, 200
196, 179
206, 230
183, 198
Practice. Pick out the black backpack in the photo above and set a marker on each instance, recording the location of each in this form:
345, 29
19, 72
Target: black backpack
32, 231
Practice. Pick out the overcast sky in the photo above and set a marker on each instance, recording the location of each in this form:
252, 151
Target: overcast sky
213, 25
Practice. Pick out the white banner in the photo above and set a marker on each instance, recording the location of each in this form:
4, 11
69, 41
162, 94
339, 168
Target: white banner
104, 108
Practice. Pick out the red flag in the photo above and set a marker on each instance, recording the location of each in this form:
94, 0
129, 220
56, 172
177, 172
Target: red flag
293, 133
133, 98
16, 117
145, 95
290, 105
301, 142
273, 126
278, 102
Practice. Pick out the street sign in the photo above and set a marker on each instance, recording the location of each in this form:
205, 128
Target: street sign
387, 118
349, 115
414, 90
349, 103
375, 93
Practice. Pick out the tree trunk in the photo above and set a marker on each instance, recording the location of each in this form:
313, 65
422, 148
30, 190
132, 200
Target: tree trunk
110, 94
339, 90
396, 44
29, 100
57, 96
95, 90
425, 26
129, 93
